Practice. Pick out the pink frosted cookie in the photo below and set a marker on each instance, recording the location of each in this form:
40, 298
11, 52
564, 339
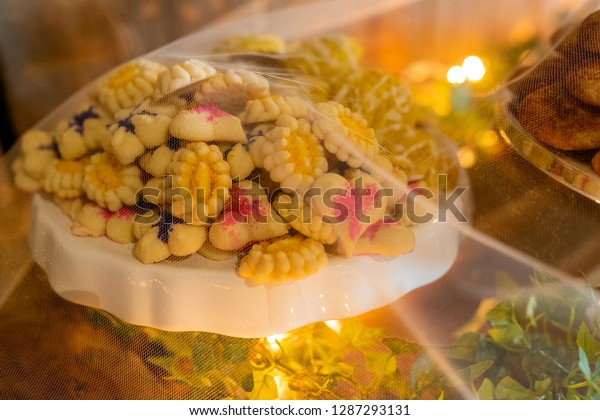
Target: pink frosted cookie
387, 239
247, 218
207, 123
349, 205
91, 221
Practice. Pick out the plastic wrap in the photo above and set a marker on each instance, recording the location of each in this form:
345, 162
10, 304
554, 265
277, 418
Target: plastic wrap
198, 111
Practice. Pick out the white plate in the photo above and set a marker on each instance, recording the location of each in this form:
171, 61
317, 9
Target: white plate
201, 295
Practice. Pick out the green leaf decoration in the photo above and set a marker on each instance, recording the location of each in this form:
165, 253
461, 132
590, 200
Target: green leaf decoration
381, 363
402, 347
265, 387
486, 390
359, 335
206, 353
509, 389
588, 343
584, 365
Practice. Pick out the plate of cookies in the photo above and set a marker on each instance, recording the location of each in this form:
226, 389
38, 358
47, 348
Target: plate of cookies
217, 195
550, 112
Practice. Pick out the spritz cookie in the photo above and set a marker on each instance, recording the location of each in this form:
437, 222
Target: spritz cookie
284, 259
64, 178
293, 155
82, 133
207, 123
201, 182
109, 183
271, 107
180, 75
344, 133
128, 85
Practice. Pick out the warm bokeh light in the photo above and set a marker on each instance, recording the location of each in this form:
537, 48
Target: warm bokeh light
334, 325
456, 75
466, 156
473, 68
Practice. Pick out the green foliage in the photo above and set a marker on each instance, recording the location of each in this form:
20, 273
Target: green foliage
536, 342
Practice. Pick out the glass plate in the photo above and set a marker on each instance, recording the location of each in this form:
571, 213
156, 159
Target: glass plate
197, 294
570, 168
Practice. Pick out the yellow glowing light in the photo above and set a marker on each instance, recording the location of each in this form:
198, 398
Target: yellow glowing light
473, 68
272, 339
466, 157
487, 138
334, 325
456, 75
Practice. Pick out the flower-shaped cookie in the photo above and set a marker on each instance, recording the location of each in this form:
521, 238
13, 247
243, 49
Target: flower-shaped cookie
64, 178
247, 218
38, 151
344, 133
201, 182
128, 85
207, 123
293, 155
231, 90
109, 183
142, 128
284, 259
271, 107
349, 205
387, 239
180, 75
82, 133
167, 236
303, 219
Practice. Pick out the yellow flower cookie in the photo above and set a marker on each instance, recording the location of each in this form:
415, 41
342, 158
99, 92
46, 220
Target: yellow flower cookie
128, 85
293, 155
180, 75
82, 133
64, 178
344, 133
167, 236
207, 123
201, 182
289, 258
109, 183
271, 107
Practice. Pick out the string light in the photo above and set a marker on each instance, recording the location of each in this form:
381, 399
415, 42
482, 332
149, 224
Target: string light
456, 75
472, 69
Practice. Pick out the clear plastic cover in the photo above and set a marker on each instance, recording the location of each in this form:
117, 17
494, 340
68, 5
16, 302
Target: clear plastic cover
259, 181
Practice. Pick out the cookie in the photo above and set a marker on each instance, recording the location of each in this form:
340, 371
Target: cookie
557, 119
596, 163
584, 82
207, 123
